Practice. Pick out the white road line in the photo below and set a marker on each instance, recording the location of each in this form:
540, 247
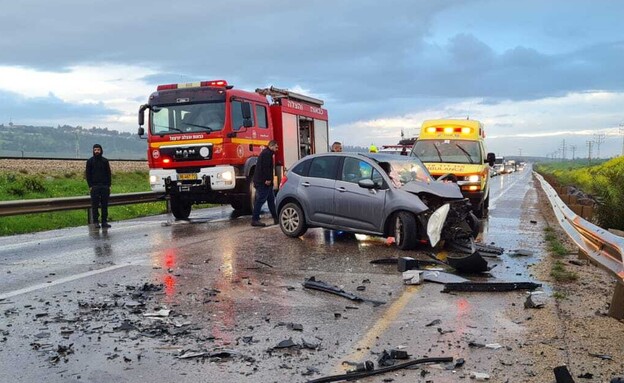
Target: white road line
65, 280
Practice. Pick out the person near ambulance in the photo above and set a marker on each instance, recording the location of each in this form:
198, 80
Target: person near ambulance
98, 175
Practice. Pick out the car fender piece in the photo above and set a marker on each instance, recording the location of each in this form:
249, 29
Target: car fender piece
435, 224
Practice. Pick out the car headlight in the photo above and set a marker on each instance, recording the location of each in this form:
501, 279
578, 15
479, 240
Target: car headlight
474, 178
153, 179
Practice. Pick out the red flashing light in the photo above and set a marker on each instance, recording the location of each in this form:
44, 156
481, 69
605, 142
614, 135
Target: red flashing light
220, 83
166, 87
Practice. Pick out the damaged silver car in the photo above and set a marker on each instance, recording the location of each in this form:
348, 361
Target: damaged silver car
376, 194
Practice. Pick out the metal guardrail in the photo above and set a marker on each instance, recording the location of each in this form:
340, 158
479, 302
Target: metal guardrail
601, 246
70, 159
45, 205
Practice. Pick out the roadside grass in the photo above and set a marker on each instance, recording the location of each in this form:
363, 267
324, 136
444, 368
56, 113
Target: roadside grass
558, 270
19, 185
559, 295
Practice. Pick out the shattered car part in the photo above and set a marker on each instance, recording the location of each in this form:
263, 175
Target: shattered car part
435, 224
379, 371
472, 263
490, 286
312, 283
489, 249
442, 277
562, 375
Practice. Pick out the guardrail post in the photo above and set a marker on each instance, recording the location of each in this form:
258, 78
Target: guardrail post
617, 302
89, 216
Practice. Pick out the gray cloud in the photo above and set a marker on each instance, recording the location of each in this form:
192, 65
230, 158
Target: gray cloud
18, 108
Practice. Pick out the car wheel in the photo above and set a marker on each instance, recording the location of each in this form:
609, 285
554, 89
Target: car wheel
292, 221
405, 235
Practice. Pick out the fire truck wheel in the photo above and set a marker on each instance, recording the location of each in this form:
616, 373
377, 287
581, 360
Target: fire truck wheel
180, 209
405, 230
292, 221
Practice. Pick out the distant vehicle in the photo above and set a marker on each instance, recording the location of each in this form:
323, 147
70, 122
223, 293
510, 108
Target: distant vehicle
458, 147
510, 166
499, 165
377, 194
404, 147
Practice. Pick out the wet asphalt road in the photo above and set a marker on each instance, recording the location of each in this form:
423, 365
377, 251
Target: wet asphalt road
233, 290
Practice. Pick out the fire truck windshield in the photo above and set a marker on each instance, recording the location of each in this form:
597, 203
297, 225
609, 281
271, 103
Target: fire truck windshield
187, 118
449, 151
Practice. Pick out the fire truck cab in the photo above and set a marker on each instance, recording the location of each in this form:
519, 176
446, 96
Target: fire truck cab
204, 139
457, 147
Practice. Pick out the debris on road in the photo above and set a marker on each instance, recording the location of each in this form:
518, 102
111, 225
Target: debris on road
433, 323
312, 283
562, 375
413, 277
471, 263
489, 286
263, 263
521, 253
442, 277
162, 313
535, 300
479, 376
379, 371
385, 261
602, 356
489, 250
287, 343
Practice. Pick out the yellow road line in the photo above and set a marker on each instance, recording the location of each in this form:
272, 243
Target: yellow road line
369, 339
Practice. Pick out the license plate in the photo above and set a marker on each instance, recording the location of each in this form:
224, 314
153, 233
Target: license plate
187, 176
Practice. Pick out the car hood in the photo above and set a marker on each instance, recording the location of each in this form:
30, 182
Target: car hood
448, 190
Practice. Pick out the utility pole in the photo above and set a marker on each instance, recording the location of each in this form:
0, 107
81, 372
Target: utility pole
589, 145
563, 150
622, 133
573, 147
519, 152
599, 138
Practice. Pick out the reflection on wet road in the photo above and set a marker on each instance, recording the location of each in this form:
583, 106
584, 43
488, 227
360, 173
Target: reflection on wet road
231, 286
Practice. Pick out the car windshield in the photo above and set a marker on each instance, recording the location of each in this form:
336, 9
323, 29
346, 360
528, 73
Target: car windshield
448, 151
406, 169
188, 118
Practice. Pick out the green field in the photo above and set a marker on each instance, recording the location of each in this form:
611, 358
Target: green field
604, 181
21, 185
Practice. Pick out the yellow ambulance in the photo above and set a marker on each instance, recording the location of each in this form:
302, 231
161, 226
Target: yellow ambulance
457, 148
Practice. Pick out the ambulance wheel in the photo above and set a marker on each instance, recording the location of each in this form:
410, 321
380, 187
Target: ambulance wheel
292, 221
405, 230
180, 209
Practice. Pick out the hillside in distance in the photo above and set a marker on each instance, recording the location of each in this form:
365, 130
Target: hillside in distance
68, 142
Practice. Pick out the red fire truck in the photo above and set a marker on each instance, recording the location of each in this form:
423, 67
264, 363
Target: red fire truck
204, 139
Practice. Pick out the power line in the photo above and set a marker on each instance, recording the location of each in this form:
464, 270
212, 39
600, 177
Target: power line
599, 138
589, 150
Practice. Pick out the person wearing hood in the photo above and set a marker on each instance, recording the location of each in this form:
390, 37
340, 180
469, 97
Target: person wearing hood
98, 174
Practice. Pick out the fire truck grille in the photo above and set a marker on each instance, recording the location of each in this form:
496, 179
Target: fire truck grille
190, 153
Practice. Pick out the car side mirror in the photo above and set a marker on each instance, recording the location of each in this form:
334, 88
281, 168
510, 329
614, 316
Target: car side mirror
141, 131
491, 158
367, 184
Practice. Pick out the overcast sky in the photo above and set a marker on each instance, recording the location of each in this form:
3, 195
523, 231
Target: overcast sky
534, 72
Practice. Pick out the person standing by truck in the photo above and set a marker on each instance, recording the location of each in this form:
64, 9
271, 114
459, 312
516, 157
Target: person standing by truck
263, 182
98, 174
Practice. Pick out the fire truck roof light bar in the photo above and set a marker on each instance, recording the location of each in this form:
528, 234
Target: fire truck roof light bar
281, 93
216, 83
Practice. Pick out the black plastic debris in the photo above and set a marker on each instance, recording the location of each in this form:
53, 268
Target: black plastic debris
617, 380
310, 344
294, 326
361, 367
385, 360
379, 371
263, 263
407, 263
489, 286
486, 250
433, 323
312, 283
442, 277
399, 354
310, 371
471, 263
587, 375
442, 332
287, 343
562, 375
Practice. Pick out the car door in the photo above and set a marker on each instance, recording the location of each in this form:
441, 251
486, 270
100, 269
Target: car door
356, 207
316, 189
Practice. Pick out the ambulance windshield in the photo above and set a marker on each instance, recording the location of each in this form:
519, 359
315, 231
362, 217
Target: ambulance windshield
448, 151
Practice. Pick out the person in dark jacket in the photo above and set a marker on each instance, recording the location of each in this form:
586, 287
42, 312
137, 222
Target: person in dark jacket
98, 174
263, 182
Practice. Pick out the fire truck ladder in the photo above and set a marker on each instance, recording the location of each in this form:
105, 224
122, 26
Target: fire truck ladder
277, 93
